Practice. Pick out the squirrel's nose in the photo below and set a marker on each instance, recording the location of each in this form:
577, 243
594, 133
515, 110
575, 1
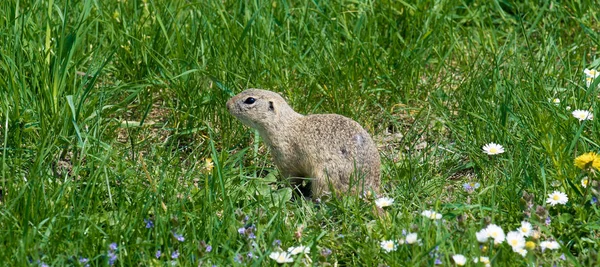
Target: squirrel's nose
228, 104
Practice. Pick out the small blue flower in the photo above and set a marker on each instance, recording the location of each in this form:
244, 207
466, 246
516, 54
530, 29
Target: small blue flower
562, 257
179, 237
238, 258
438, 261
112, 258
471, 186
548, 220
251, 236
277, 242
208, 248
112, 255
158, 253
84, 261
175, 254
242, 230
467, 187
149, 223
325, 252
594, 200
434, 253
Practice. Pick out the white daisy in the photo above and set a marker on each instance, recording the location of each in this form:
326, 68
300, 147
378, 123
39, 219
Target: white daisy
521, 251
588, 81
384, 202
525, 229
493, 149
557, 197
515, 240
484, 260
281, 257
431, 214
495, 232
552, 245
582, 115
411, 238
556, 101
585, 182
388, 245
298, 249
592, 73
459, 259
482, 236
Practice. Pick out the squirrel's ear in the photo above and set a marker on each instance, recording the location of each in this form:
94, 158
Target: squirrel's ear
271, 107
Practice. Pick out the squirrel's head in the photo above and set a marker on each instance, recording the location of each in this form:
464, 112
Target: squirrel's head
259, 109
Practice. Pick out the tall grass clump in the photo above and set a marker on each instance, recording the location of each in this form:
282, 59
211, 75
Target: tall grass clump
117, 148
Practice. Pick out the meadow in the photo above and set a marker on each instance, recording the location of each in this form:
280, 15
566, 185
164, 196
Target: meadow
117, 148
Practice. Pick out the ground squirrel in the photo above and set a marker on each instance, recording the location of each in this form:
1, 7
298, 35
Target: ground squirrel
325, 149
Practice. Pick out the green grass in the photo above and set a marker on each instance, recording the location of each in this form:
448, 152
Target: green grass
110, 109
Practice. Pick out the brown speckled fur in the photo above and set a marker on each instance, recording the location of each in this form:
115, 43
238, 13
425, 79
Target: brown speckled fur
329, 148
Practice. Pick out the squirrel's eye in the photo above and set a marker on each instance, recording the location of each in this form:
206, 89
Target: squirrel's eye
249, 100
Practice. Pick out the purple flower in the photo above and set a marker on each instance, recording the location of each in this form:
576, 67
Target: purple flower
248, 231
149, 223
249, 255
175, 254
325, 252
467, 187
208, 248
84, 261
238, 258
434, 253
246, 218
179, 237
562, 257
594, 200
112, 257
277, 242
470, 187
548, 220
438, 261
43, 264
158, 253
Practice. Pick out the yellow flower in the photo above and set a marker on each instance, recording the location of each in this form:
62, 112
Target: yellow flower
117, 15
530, 245
208, 165
588, 160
